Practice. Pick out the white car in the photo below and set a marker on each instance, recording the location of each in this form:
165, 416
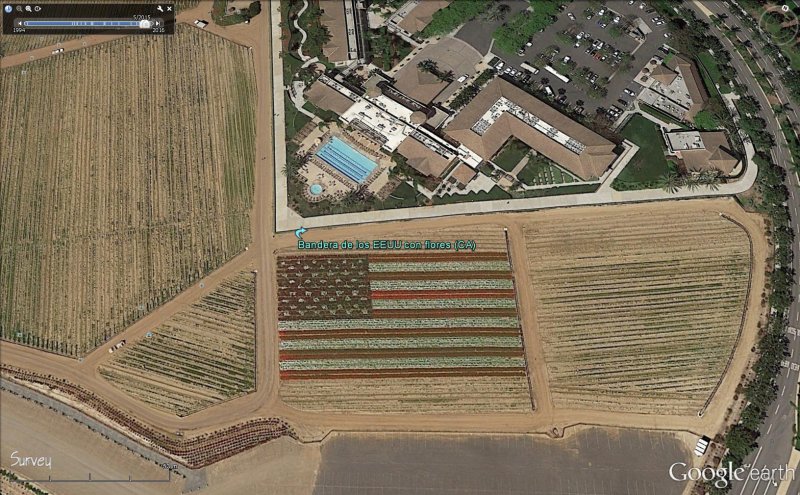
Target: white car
571, 16
57, 51
462, 78
629, 92
567, 59
667, 35
579, 36
631, 2
616, 20
500, 65
201, 23
602, 11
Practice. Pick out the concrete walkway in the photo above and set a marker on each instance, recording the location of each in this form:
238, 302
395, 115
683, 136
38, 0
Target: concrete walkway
302, 32
283, 214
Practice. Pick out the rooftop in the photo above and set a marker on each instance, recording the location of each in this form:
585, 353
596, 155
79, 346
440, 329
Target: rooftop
421, 15
502, 110
341, 46
423, 158
703, 150
327, 98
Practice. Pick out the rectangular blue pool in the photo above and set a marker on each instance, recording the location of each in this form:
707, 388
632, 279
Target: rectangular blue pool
346, 160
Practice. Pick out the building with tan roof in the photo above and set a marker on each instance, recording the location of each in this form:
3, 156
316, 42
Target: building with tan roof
463, 174
340, 17
674, 87
421, 15
664, 75
423, 158
501, 110
327, 98
694, 84
703, 150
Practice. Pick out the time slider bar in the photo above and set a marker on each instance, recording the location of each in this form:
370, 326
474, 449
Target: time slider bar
89, 23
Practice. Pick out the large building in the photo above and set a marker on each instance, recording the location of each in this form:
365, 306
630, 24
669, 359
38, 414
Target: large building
703, 150
674, 87
344, 22
501, 111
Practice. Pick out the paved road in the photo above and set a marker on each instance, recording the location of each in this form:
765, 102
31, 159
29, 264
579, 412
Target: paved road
777, 434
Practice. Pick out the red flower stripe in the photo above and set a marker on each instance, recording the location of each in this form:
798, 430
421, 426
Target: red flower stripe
443, 294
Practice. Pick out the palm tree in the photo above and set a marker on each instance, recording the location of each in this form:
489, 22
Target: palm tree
692, 181
545, 81
497, 12
671, 182
445, 76
427, 65
710, 178
579, 103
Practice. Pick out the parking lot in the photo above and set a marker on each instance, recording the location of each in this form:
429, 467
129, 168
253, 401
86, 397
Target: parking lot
595, 461
589, 66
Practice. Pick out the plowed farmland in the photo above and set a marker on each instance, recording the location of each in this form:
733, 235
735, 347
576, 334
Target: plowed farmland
400, 332
638, 312
125, 176
199, 357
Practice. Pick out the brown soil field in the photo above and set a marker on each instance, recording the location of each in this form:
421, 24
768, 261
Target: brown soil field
638, 312
201, 356
121, 183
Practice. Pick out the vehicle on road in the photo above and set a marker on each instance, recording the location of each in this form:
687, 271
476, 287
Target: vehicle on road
201, 23
116, 346
57, 51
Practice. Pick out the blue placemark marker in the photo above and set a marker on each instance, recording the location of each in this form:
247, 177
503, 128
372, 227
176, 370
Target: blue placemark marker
8, 9
299, 232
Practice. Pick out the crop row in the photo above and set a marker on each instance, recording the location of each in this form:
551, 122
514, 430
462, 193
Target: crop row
402, 342
200, 356
644, 319
399, 323
436, 266
90, 243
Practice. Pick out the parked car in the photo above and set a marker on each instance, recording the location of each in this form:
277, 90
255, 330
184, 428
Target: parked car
571, 16
566, 59
616, 19
629, 92
548, 90
462, 78
201, 23
622, 102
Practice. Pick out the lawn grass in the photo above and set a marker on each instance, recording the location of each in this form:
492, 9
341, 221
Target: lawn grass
649, 163
540, 171
511, 154
561, 190
295, 120
404, 196
495, 193
655, 112
326, 115
712, 75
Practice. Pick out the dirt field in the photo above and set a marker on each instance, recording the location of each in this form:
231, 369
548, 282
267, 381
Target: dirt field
114, 201
34, 431
200, 357
638, 312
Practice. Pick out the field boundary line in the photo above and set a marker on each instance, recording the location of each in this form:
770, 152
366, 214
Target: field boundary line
744, 313
519, 318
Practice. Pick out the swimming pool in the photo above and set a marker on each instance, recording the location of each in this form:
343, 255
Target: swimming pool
346, 160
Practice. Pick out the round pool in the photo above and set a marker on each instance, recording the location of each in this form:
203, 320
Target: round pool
315, 189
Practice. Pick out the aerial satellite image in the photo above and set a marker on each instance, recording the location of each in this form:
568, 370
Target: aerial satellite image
395, 247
